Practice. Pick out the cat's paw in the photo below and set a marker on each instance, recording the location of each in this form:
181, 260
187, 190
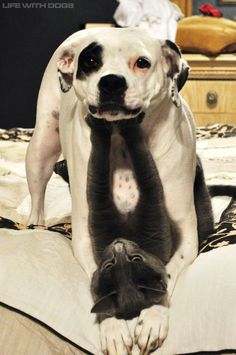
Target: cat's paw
98, 123
126, 124
115, 337
152, 328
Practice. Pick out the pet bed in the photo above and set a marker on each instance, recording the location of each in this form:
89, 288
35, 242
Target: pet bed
207, 35
44, 294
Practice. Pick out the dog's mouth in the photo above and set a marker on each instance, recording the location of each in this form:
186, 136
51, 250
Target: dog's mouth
114, 110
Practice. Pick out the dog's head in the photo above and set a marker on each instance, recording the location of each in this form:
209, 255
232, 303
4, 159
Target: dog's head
118, 73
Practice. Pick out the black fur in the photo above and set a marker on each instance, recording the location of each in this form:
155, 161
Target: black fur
150, 218
182, 78
65, 80
222, 190
62, 170
183, 75
202, 200
173, 46
90, 60
126, 287
146, 235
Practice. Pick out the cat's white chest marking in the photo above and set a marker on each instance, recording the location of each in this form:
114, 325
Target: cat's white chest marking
123, 181
125, 190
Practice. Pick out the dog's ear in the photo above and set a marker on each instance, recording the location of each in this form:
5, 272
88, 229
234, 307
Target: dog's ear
176, 69
65, 68
105, 305
183, 76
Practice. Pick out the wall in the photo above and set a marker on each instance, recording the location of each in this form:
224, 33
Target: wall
228, 11
28, 39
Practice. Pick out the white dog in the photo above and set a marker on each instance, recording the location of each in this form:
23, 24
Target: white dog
117, 74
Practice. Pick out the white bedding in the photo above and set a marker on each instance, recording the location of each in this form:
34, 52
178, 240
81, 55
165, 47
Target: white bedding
40, 276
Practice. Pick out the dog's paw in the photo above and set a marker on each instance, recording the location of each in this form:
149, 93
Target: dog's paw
152, 328
115, 337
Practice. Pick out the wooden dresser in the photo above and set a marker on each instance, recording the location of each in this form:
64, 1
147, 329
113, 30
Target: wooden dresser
211, 88
185, 6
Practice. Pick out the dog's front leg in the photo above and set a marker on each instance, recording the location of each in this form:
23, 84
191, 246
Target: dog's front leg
152, 324
114, 333
81, 241
187, 250
115, 337
152, 327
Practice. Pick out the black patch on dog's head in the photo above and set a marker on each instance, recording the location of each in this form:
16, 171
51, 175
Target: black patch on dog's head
65, 80
182, 78
173, 46
90, 60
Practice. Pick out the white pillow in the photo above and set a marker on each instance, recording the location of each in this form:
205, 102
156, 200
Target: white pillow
203, 307
40, 276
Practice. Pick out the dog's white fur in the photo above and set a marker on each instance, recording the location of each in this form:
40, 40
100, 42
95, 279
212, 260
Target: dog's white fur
170, 134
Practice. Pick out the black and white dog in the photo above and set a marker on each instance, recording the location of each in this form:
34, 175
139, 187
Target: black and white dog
116, 74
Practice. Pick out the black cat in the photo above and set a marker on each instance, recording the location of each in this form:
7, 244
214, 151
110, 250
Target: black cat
130, 249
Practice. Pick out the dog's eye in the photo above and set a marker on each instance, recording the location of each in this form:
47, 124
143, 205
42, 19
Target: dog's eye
142, 63
91, 62
136, 258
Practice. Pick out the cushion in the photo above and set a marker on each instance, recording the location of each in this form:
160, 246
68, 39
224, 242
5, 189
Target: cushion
40, 276
205, 34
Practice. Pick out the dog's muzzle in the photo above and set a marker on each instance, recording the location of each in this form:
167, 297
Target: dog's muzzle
111, 84
112, 89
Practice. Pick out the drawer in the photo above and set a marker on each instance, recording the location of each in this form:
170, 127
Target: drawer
210, 96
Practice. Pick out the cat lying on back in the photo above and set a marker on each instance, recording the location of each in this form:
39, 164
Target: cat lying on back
131, 250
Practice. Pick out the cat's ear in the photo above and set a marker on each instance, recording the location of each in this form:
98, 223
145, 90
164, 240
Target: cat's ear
105, 305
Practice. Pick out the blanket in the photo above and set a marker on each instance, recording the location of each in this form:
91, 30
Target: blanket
40, 276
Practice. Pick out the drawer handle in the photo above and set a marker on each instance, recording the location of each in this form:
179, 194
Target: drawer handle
212, 97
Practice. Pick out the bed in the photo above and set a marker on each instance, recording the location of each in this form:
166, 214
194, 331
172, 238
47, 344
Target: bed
44, 294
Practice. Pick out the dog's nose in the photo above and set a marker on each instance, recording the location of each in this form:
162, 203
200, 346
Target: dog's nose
112, 84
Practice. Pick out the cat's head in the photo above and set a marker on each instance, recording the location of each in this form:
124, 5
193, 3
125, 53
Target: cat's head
127, 280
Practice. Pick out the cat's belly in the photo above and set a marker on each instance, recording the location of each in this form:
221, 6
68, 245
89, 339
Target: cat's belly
123, 180
125, 190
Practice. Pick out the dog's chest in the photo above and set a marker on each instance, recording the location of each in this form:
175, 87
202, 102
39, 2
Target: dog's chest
123, 181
